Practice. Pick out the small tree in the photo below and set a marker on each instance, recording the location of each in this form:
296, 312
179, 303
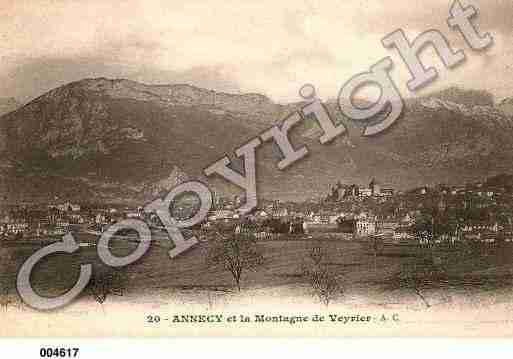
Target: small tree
105, 283
5, 299
423, 272
412, 277
324, 283
7, 277
236, 254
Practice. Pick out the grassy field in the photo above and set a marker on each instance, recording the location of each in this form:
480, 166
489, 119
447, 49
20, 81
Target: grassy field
476, 268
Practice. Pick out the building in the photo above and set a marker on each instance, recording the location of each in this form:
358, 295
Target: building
403, 233
68, 207
101, 218
14, 226
375, 188
134, 215
387, 228
365, 225
365, 192
221, 214
387, 192
76, 219
280, 212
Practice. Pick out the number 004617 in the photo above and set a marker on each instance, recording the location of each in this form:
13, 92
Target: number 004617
58, 352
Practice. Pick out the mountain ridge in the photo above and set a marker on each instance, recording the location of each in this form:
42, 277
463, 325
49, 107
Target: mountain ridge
134, 135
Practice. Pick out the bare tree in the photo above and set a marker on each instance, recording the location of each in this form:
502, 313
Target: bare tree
5, 299
412, 277
7, 278
324, 283
105, 283
421, 274
236, 254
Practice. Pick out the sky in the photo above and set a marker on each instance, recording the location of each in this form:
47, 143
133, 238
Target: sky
266, 46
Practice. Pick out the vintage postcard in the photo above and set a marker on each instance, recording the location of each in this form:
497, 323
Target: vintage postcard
256, 168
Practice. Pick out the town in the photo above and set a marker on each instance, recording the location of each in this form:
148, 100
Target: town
480, 211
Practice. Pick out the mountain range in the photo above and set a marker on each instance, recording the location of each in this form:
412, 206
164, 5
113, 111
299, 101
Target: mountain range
119, 140
8, 104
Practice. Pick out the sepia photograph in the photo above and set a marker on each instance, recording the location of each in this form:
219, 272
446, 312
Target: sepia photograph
256, 168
